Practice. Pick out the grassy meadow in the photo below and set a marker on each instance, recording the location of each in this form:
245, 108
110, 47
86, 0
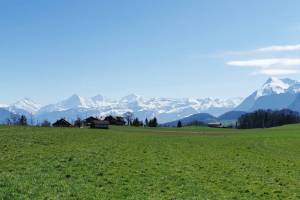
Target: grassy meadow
159, 163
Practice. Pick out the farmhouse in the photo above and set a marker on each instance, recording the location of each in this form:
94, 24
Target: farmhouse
119, 121
93, 122
88, 121
215, 125
100, 124
62, 123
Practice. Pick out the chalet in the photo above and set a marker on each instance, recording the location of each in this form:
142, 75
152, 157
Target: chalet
119, 121
100, 124
215, 125
62, 123
88, 121
93, 122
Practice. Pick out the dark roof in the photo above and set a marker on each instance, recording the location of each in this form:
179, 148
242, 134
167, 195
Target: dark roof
101, 122
62, 123
90, 119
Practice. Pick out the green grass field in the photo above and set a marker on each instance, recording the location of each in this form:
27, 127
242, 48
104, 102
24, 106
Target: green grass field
137, 163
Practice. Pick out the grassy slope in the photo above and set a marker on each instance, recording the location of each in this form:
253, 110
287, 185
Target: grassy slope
133, 163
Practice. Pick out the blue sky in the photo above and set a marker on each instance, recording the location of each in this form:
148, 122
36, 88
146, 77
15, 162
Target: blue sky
172, 48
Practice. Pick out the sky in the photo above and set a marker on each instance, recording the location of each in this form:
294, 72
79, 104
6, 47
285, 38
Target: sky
50, 50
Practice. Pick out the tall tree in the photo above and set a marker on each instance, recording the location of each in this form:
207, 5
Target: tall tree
146, 122
23, 120
45, 123
153, 122
179, 124
78, 122
128, 116
136, 122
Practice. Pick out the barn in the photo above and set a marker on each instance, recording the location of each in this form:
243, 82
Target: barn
215, 125
99, 124
62, 123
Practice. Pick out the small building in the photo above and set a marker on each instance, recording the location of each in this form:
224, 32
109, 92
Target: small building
99, 124
88, 121
119, 121
215, 125
62, 123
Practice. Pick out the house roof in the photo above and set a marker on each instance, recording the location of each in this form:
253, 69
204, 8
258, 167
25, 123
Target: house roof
62, 121
100, 122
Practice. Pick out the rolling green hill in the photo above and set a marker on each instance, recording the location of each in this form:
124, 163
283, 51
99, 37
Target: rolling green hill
137, 163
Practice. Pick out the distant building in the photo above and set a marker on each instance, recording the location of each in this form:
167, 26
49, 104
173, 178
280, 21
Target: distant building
88, 121
215, 125
62, 123
100, 124
119, 121
93, 122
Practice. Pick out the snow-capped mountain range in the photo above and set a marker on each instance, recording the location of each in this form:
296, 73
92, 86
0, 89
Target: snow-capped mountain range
274, 94
165, 109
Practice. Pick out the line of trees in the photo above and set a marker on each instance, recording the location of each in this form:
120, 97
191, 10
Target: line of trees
22, 121
148, 123
267, 119
17, 120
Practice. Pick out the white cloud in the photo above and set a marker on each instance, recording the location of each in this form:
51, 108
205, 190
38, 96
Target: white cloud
271, 67
279, 48
266, 63
278, 72
269, 50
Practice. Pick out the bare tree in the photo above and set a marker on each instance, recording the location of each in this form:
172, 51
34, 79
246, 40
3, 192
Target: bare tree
14, 119
8, 122
46, 123
78, 122
129, 117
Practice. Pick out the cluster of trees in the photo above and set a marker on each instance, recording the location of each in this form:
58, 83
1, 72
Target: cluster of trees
17, 120
148, 123
131, 121
267, 119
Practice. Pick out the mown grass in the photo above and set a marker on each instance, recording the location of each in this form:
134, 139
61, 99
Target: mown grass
137, 163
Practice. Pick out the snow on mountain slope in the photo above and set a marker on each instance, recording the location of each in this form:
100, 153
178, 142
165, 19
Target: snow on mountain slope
274, 86
72, 102
275, 93
25, 105
165, 109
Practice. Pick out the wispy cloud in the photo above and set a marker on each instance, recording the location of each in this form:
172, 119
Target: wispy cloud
265, 63
264, 50
277, 72
272, 66
278, 48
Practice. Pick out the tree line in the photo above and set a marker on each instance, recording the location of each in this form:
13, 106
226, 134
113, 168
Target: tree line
267, 119
128, 119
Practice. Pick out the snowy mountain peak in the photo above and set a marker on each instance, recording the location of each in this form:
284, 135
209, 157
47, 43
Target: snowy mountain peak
25, 104
76, 101
275, 94
131, 98
274, 86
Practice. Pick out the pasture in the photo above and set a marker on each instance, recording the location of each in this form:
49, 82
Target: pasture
145, 163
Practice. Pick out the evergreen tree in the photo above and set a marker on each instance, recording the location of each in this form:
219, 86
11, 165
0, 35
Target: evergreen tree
146, 122
267, 118
153, 122
46, 123
23, 120
78, 122
136, 122
179, 124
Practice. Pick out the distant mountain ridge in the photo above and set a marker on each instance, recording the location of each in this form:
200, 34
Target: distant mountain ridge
275, 94
207, 118
165, 109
